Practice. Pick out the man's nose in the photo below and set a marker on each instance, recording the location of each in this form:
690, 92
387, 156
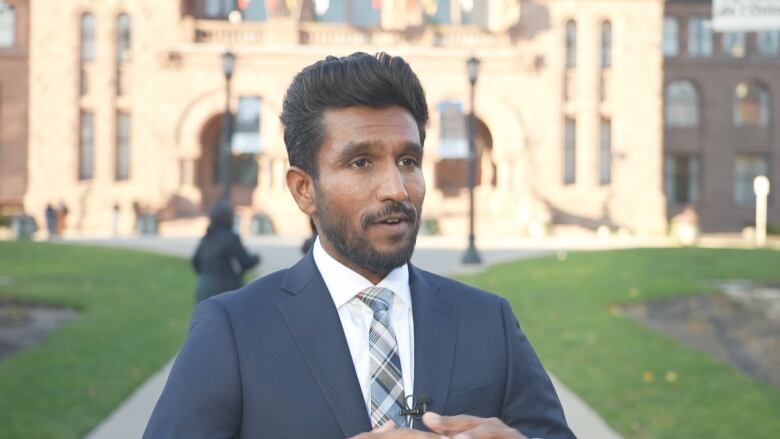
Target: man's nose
391, 186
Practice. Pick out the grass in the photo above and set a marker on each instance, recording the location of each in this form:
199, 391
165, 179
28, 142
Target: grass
134, 310
568, 309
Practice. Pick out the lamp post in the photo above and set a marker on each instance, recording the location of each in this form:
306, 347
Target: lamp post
472, 256
228, 63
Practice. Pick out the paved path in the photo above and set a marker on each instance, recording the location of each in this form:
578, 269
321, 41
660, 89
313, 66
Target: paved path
437, 255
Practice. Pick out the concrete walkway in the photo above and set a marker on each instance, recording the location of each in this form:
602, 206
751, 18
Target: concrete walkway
439, 255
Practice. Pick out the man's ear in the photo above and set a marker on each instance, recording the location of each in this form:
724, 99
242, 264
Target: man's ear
301, 187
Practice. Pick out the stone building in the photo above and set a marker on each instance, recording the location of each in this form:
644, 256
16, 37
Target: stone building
126, 98
14, 43
722, 127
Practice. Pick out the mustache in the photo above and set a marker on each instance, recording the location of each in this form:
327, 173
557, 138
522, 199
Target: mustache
406, 209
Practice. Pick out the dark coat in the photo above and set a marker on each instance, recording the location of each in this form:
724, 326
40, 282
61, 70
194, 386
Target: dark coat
220, 262
271, 361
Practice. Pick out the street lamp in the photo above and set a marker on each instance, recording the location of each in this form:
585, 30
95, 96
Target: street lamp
228, 63
472, 256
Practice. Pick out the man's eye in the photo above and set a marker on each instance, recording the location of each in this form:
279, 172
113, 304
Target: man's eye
408, 162
361, 163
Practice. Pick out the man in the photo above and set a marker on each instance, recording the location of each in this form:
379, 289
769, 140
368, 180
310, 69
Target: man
337, 345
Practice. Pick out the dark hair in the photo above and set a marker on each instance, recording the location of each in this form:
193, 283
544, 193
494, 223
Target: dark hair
359, 79
221, 216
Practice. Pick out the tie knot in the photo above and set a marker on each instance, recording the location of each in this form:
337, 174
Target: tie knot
377, 298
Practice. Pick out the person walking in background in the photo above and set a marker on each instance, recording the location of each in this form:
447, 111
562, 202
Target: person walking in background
116, 217
51, 220
221, 259
62, 215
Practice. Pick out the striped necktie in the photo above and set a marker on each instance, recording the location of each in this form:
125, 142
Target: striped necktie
387, 386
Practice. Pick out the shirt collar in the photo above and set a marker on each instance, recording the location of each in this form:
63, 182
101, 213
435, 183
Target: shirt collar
343, 283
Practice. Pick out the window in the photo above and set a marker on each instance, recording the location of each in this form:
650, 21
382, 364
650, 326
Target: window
681, 179
751, 105
334, 11
768, 43
606, 45
438, 11
671, 46
253, 10
7, 25
699, 37
86, 145
366, 13
605, 152
733, 44
569, 151
87, 38
123, 38
746, 168
122, 158
681, 105
571, 44
218, 9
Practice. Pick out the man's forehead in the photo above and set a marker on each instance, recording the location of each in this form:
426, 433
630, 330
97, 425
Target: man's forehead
354, 125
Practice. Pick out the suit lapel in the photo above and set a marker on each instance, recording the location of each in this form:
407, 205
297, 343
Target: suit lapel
314, 321
434, 339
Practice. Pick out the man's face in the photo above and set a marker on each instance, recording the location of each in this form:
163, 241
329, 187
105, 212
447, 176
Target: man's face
370, 188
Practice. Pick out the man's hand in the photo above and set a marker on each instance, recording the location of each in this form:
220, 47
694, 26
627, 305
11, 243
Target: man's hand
389, 431
470, 427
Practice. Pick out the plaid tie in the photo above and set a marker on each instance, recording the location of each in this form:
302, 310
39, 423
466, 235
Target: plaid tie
387, 386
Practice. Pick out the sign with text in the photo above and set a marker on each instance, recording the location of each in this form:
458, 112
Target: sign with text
745, 15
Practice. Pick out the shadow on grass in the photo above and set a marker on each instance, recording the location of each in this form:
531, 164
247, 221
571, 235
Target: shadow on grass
134, 312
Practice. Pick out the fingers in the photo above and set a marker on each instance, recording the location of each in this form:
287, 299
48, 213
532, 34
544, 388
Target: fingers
387, 426
451, 425
490, 430
469, 427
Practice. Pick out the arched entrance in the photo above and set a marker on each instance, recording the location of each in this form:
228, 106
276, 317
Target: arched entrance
243, 168
452, 175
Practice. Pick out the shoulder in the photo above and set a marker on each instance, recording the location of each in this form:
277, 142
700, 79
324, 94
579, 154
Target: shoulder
257, 296
456, 291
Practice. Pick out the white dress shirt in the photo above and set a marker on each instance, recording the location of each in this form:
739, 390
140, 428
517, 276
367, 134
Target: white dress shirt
344, 285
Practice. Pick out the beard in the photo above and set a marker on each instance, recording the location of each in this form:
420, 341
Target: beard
359, 250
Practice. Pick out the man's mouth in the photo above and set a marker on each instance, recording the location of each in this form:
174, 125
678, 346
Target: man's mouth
393, 219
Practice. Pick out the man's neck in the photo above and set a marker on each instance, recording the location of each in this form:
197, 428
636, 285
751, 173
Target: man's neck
372, 277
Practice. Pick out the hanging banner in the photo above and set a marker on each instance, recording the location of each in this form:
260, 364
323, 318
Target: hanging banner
246, 136
745, 15
453, 140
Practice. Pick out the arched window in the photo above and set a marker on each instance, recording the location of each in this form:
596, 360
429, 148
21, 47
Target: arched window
751, 105
571, 44
606, 45
124, 44
87, 37
7, 25
681, 105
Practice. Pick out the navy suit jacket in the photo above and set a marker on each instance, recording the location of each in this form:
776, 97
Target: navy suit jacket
271, 361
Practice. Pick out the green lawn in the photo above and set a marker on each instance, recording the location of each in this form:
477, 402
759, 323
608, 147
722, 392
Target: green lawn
135, 308
567, 309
